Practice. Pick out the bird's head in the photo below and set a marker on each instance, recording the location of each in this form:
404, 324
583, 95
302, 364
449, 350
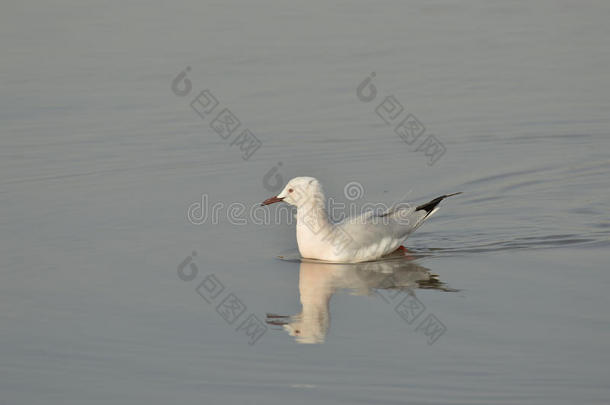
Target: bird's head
298, 192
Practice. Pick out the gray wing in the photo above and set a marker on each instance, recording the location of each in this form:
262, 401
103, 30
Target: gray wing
397, 222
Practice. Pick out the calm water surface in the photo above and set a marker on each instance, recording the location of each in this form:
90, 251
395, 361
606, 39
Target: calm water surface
101, 298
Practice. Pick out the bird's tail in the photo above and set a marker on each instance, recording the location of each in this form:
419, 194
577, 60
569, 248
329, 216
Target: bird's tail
430, 206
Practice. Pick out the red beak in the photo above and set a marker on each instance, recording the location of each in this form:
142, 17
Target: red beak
272, 200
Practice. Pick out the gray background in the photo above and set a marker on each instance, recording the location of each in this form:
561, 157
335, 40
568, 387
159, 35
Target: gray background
99, 161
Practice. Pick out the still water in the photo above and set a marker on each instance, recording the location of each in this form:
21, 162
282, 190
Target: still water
111, 292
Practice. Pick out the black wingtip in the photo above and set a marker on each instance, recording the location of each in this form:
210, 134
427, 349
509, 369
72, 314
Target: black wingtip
430, 205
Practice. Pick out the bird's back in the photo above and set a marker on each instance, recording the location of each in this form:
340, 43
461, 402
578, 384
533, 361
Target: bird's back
372, 235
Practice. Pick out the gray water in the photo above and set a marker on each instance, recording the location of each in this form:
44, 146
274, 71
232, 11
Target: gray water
101, 158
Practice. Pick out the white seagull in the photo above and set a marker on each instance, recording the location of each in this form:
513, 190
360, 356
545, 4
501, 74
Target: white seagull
358, 239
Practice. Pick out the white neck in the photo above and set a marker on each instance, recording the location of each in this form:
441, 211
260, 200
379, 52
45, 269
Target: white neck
312, 225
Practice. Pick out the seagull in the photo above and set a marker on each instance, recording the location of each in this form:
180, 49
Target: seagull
361, 238
319, 281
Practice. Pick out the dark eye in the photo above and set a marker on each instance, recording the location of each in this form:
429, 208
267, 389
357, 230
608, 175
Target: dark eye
290, 190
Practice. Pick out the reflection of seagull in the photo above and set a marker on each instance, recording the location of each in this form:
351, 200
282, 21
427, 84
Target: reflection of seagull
318, 281
366, 237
